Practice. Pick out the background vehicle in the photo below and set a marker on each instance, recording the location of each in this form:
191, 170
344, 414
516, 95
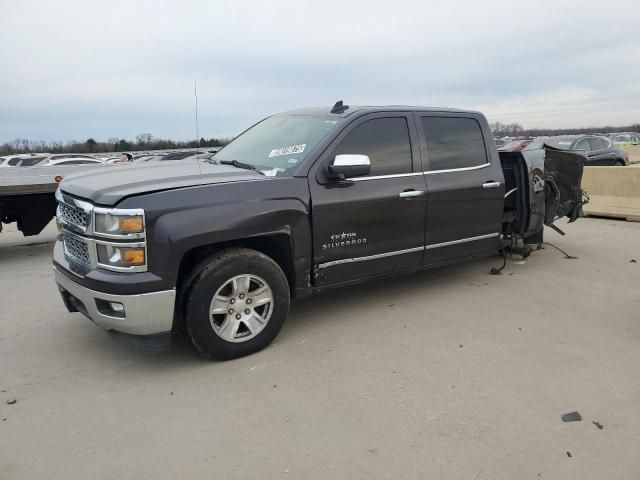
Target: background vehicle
84, 160
23, 160
599, 150
625, 139
174, 156
27, 194
515, 145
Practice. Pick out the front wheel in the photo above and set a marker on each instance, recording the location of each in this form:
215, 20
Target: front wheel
237, 303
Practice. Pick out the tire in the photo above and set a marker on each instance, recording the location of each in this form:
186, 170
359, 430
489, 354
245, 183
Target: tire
619, 163
242, 280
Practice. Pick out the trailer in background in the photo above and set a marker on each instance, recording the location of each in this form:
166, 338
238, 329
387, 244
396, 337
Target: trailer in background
27, 194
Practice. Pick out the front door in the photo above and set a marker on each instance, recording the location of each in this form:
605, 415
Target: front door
465, 187
373, 224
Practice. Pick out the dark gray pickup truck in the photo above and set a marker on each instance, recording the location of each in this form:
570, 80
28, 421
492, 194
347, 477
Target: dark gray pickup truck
302, 200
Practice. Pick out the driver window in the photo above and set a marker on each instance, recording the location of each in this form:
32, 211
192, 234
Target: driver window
384, 140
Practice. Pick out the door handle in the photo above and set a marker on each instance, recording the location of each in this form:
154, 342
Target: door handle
411, 193
490, 185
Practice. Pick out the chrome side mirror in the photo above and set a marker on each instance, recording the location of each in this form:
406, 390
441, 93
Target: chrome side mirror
348, 166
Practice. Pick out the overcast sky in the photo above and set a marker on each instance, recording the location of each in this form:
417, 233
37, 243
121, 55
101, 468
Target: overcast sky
70, 70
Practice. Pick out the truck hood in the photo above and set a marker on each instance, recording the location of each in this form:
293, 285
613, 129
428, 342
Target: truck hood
109, 186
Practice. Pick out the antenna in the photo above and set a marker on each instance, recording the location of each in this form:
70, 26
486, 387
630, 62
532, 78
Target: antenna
339, 107
195, 94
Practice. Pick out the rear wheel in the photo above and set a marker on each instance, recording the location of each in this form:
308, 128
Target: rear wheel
237, 303
619, 163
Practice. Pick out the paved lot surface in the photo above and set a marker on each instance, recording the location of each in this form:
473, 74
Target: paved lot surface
447, 374
634, 153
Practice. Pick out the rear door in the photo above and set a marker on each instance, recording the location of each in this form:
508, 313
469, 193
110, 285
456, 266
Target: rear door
465, 186
601, 153
373, 224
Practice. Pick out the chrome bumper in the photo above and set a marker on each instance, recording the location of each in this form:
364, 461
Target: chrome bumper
143, 314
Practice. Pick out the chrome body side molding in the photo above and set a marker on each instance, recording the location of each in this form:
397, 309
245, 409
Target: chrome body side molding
409, 250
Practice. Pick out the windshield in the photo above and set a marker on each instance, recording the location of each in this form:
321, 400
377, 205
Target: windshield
278, 144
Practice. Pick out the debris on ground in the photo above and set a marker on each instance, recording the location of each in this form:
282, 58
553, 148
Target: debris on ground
569, 454
571, 417
633, 260
11, 402
598, 424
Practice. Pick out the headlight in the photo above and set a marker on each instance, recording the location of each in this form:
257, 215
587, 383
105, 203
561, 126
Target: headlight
120, 256
119, 222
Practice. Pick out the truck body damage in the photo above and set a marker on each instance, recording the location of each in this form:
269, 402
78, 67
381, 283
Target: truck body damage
563, 193
541, 186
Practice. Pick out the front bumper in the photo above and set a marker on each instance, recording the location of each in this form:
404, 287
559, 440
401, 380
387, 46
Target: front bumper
142, 314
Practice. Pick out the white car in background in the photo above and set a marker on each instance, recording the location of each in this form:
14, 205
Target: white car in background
23, 160
83, 160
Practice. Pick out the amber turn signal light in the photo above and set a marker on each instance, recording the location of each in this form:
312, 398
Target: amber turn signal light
131, 225
132, 256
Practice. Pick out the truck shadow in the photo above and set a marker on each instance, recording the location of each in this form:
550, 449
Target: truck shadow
326, 309
333, 304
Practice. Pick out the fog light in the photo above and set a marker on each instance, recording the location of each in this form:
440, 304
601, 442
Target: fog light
116, 307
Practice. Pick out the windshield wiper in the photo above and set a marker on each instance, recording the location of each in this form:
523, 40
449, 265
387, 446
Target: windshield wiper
238, 164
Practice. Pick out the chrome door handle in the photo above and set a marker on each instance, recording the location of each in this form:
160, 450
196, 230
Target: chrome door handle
411, 193
490, 185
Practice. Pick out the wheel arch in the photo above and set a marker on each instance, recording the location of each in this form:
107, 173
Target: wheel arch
277, 246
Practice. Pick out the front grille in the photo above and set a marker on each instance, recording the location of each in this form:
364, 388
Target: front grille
76, 249
72, 215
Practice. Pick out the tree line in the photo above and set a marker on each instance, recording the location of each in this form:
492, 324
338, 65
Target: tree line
144, 141
516, 130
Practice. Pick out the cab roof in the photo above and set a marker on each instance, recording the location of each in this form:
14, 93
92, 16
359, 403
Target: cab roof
361, 109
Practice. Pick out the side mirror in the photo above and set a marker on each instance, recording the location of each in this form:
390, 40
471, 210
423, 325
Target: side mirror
348, 166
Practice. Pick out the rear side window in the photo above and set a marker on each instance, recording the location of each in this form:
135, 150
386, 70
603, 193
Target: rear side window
30, 162
77, 162
385, 141
454, 142
597, 143
583, 145
177, 156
